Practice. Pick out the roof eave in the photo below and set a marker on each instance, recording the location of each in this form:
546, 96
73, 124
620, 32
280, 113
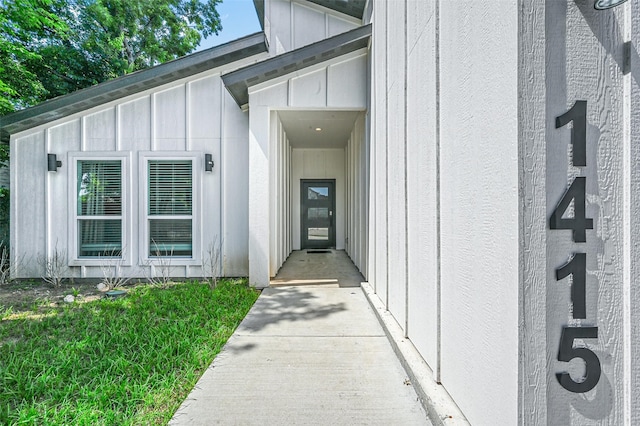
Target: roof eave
133, 83
238, 82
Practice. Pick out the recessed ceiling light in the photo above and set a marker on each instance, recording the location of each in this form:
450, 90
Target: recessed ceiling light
318, 129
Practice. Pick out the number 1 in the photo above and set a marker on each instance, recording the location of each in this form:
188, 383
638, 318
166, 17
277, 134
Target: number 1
577, 114
577, 267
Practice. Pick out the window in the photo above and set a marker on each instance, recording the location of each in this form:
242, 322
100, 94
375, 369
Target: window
170, 208
99, 208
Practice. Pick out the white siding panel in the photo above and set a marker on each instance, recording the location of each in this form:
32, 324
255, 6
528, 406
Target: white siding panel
135, 124
170, 119
235, 188
235, 204
64, 136
633, 390
61, 140
338, 26
586, 66
422, 180
347, 83
479, 201
100, 131
28, 204
396, 208
308, 25
278, 23
379, 197
309, 90
204, 108
318, 164
210, 206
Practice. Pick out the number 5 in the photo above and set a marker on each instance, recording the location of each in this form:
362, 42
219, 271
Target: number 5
567, 352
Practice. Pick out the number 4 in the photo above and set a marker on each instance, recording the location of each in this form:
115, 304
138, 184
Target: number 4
578, 223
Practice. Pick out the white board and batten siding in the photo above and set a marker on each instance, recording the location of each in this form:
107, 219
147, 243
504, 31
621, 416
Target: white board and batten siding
445, 200
194, 116
470, 94
291, 24
337, 84
580, 56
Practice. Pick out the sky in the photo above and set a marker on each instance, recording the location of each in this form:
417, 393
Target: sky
239, 18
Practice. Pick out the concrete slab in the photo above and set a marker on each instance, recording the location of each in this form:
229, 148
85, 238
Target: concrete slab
305, 355
318, 267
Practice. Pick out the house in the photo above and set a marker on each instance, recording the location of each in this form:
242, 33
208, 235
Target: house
477, 162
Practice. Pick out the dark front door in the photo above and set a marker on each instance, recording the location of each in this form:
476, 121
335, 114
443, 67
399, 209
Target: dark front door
318, 200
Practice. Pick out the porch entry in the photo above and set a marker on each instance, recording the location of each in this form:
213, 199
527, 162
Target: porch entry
317, 210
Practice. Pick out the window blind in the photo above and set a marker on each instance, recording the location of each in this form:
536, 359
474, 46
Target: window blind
170, 208
170, 187
99, 204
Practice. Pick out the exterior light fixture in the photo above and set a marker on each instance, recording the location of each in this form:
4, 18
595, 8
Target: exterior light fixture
607, 4
208, 163
53, 163
318, 129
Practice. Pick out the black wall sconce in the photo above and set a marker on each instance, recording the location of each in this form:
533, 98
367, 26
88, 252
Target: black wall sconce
53, 163
208, 163
607, 4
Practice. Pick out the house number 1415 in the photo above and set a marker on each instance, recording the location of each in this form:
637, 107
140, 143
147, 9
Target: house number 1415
577, 265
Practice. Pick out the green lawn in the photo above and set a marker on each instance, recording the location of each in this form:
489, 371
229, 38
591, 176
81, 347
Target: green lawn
114, 362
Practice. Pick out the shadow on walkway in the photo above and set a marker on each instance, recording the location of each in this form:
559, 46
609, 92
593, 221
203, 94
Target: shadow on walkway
305, 355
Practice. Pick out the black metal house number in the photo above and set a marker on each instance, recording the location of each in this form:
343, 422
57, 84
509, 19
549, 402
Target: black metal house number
577, 266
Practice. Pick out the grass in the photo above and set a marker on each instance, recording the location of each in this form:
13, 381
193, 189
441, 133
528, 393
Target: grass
127, 361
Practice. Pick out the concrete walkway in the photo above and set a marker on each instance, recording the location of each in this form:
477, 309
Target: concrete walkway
331, 268
305, 355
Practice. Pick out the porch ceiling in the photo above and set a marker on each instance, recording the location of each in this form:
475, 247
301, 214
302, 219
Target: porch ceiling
336, 127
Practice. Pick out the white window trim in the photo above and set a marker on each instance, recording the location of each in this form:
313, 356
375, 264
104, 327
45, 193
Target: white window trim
196, 220
127, 250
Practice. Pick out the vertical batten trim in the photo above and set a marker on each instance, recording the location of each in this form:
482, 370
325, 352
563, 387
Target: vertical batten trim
438, 369
406, 189
47, 207
627, 228
83, 134
152, 122
187, 120
326, 25
116, 123
292, 30
386, 149
220, 171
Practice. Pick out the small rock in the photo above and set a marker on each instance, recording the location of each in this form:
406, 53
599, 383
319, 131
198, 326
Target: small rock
102, 287
69, 298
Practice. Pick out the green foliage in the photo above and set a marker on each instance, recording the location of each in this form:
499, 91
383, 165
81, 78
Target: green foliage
126, 361
25, 25
4, 216
50, 48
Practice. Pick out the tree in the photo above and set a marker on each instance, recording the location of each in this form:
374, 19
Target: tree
50, 48
25, 25
136, 34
